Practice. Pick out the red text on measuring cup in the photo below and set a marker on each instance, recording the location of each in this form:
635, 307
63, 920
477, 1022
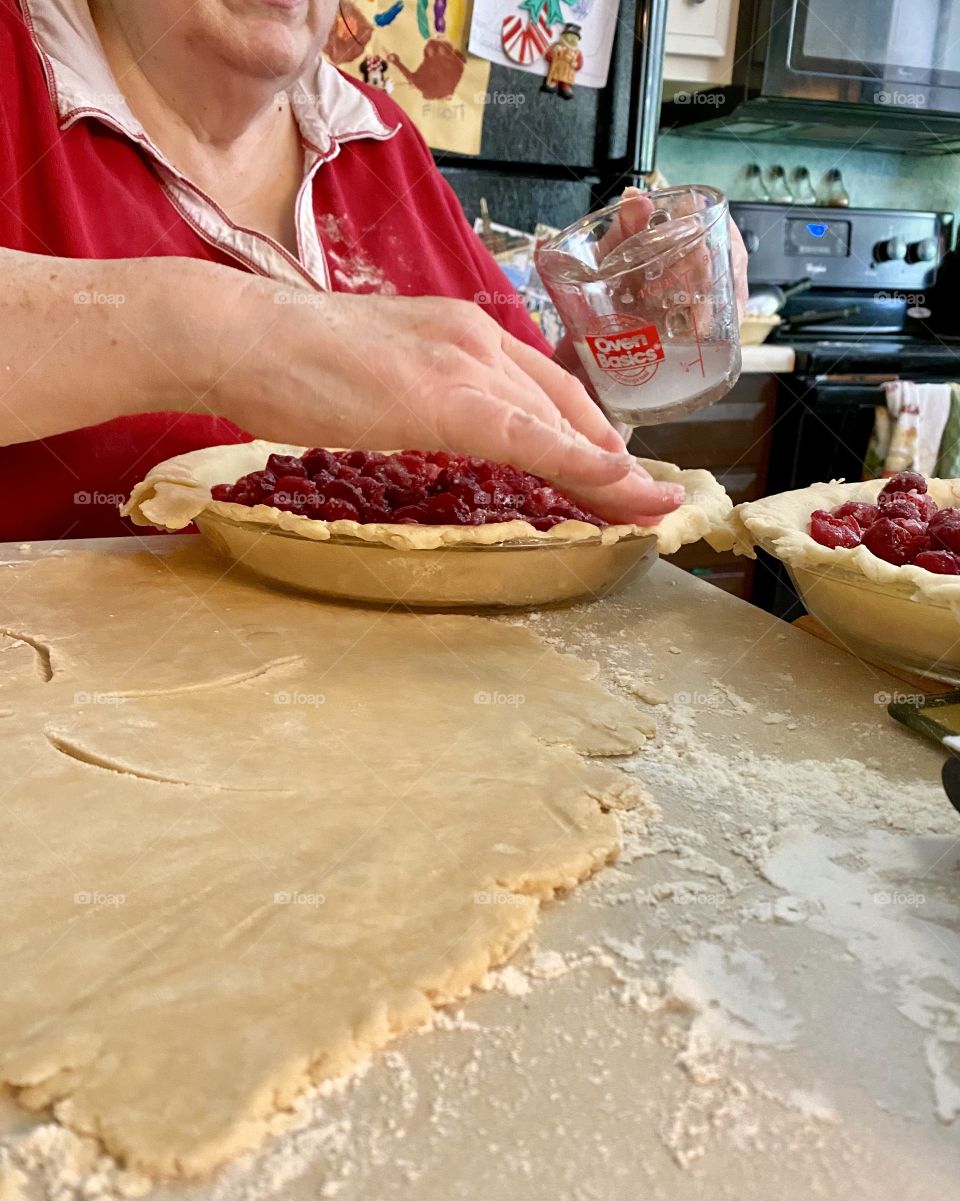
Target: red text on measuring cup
628, 353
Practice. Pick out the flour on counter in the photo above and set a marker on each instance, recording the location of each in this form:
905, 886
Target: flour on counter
632, 952
548, 965
733, 698
811, 1105
510, 980
649, 693
946, 1090
864, 887
734, 997
693, 861
710, 1002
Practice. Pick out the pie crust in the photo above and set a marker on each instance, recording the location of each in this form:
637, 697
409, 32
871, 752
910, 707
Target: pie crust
177, 491
303, 828
779, 524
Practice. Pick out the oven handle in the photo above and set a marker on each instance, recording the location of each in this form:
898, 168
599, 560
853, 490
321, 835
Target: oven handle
855, 391
856, 377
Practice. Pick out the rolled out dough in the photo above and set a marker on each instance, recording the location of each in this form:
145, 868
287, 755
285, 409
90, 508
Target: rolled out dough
247, 837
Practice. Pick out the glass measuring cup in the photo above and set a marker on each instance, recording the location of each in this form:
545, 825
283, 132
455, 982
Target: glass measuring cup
653, 314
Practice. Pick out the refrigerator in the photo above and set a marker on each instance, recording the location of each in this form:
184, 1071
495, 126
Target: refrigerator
553, 160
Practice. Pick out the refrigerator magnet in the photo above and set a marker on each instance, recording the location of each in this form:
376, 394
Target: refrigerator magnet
524, 41
564, 59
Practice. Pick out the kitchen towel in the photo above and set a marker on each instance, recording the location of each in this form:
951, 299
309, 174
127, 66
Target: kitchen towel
908, 433
948, 461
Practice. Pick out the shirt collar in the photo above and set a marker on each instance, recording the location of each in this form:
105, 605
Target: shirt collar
328, 108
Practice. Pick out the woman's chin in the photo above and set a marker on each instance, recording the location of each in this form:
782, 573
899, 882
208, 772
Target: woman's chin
265, 48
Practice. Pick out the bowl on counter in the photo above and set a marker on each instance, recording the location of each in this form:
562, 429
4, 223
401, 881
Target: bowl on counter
906, 617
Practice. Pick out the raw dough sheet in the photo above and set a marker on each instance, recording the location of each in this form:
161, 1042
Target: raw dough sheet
248, 837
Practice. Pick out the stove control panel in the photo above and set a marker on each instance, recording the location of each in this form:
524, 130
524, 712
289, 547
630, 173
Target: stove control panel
881, 249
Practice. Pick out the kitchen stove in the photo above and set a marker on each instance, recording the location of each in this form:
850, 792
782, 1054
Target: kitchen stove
871, 314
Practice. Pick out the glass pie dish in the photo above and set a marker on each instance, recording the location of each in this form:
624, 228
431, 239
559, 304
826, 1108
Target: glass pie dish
906, 617
500, 565
884, 623
505, 575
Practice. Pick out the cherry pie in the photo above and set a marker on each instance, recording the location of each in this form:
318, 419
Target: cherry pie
413, 487
905, 526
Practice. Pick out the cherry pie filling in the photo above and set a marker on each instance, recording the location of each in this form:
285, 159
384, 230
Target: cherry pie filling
905, 526
414, 487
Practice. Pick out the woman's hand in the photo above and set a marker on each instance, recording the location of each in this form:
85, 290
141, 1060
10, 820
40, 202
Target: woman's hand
633, 217
738, 260
315, 369
389, 372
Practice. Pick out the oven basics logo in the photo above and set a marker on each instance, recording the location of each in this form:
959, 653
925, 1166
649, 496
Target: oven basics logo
626, 351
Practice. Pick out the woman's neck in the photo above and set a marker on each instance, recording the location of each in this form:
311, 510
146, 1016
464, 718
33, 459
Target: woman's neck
171, 87
231, 133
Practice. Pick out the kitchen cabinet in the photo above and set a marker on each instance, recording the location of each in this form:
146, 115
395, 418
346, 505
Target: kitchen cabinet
701, 35
732, 440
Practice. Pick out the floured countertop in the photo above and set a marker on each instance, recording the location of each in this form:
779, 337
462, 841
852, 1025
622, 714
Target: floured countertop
760, 1000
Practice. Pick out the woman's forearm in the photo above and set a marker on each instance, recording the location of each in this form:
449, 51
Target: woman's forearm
84, 341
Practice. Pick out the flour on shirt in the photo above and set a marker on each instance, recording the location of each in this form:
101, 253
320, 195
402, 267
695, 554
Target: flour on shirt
350, 269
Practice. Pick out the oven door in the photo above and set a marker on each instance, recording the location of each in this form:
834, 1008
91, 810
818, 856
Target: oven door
822, 431
823, 428
894, 54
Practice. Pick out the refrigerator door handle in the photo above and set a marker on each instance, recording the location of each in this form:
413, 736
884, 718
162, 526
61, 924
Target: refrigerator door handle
651, 31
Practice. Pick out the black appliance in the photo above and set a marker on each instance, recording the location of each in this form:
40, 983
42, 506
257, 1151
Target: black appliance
878, 74
879, 267
547, 159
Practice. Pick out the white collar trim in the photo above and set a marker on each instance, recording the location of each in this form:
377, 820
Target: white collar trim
327, 107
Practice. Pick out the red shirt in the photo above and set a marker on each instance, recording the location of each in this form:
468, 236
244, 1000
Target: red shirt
80, 178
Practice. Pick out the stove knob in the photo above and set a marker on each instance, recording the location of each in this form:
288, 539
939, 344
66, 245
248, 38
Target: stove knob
927, 250
890, 250
751, 241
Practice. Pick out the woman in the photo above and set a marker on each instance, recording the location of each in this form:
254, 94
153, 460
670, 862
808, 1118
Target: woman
206, 233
